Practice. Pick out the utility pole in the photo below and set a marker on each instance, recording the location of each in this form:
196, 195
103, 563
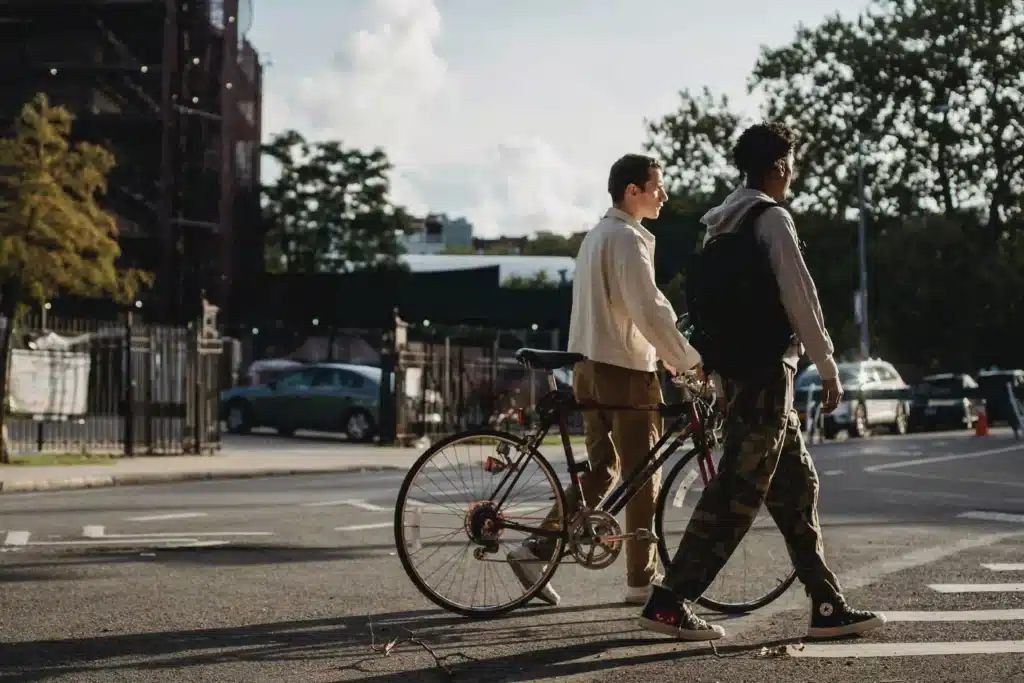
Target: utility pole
861, 302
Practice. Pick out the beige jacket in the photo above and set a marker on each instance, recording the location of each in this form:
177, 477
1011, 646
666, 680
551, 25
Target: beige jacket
619, 316
775, 228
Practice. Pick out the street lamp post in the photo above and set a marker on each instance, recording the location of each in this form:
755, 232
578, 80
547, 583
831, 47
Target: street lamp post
862, 295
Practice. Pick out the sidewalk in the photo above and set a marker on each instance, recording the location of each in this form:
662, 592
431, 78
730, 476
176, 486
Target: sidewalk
233, 462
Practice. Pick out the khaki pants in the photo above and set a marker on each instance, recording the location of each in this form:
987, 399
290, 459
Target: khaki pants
617, 441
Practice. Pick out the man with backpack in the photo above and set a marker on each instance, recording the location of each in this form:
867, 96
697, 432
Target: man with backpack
755, 310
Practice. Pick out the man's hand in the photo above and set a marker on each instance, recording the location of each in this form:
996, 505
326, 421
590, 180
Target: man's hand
670, 368
831, 395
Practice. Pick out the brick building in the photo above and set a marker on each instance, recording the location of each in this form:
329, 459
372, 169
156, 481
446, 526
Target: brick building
173, 89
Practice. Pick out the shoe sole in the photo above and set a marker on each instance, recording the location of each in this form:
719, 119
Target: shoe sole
547, 594
714, 633
848, 630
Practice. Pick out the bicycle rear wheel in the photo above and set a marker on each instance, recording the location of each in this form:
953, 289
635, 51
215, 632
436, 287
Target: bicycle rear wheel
760, 570
444, 509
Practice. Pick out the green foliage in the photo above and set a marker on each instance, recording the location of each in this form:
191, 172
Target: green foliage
55, 239
694, 143
932, 91
330, 209
54, 236
932, 88
546, 243
539, 280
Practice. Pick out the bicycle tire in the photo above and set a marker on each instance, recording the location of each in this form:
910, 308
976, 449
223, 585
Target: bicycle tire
666, 558
402, 549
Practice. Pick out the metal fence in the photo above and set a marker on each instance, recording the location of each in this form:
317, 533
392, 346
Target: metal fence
451, 387
123, 386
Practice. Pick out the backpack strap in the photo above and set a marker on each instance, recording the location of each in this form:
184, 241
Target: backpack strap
753, 213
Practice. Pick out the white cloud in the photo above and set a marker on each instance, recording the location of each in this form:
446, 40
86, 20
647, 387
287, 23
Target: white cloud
388, 86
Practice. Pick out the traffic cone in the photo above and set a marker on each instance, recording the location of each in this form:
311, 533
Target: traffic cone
981, 425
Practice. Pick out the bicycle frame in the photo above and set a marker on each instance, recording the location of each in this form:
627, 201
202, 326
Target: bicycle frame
554, 409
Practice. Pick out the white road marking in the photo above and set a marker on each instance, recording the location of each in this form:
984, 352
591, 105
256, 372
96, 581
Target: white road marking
959, 615
363, 527
970, 647
871, 573
960, 480
684, 486
941, 458
354, 502
992, 516
99, 532
910, 493
17, 538
977, 587
191, 534
832, 473
1004, 567
117, 541
513, 511
171, 515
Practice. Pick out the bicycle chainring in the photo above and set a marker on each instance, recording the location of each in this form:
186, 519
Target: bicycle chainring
585, 540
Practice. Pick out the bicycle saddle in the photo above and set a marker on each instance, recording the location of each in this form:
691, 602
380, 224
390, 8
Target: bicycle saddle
537, 359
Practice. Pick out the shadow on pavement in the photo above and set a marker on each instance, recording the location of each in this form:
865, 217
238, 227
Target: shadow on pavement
344, 644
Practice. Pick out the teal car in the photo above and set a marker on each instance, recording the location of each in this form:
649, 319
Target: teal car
326, 397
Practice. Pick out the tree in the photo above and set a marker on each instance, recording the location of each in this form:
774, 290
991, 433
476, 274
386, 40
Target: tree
54, 237
931, 89
694, 143
330, 210
545, 243
539, 280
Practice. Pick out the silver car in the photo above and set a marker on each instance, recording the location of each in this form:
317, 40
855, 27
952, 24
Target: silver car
855, 415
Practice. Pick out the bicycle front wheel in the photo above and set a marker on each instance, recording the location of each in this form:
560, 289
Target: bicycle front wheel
448, 521
760, 570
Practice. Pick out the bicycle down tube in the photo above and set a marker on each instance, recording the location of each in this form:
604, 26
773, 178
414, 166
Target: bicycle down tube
630, 486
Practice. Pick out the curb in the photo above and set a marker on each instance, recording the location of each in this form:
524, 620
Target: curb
141, 479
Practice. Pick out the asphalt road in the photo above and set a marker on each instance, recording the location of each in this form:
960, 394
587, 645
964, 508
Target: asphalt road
293, 578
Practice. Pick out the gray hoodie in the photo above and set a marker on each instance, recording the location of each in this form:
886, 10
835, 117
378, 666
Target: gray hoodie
775, 228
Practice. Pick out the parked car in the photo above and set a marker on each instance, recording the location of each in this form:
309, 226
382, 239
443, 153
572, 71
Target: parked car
992, 385
855, 415
939, 402
327, 397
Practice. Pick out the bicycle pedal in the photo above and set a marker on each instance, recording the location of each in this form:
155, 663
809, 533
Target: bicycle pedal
645, 535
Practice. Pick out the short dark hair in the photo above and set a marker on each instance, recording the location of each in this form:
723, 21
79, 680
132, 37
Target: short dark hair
630, 169
760, 146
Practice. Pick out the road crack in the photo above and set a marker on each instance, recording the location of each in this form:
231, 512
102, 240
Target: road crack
440, 661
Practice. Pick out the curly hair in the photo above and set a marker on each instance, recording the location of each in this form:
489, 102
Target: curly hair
760, 146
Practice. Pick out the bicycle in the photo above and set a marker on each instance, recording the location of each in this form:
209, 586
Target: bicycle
592, 536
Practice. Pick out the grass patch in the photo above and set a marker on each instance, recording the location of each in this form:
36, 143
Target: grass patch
556, 440
60, 459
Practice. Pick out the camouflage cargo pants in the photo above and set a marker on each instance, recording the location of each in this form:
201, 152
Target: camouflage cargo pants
764, 461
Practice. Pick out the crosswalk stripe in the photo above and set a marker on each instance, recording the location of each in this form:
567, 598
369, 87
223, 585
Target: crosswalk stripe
977, 587
353, 502
969, 647
1004, 567
17, 538
958, 615
986, 516
364, 527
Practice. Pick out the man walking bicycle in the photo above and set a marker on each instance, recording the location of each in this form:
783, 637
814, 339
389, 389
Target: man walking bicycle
622, 323
753, 333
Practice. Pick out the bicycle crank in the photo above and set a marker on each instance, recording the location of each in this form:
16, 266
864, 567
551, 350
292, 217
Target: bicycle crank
596, 539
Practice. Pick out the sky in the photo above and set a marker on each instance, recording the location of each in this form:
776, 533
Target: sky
507, 112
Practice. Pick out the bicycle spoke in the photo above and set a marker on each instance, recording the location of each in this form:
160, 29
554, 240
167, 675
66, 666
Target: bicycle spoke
452, 493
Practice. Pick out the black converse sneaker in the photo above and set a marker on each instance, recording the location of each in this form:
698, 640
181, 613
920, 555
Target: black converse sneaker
834, 618
665, 613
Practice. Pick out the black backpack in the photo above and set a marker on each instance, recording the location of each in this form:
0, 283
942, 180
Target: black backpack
739, 324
